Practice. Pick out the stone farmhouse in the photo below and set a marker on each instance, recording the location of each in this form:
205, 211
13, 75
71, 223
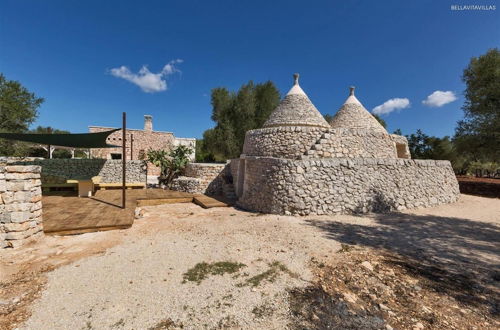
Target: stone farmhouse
139, 141
300, 164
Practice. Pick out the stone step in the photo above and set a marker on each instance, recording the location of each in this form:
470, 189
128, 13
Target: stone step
229, 191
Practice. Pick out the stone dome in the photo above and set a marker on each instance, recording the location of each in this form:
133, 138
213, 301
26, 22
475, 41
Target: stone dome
352, 114
296, 110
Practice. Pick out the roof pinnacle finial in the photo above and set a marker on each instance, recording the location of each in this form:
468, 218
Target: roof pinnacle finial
351, 90
295, 78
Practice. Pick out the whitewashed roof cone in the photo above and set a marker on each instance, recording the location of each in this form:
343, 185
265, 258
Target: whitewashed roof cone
296, 110
352, 114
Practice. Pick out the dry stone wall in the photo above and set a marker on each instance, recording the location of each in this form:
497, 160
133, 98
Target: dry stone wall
356, 185
203, 178
284, 142
20, 204
313, 142
110, 170
187, 184
353, 143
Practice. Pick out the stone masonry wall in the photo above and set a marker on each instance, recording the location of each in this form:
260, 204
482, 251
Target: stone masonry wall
356, 185
311, 142
212, 176
236, 175
353, 143
110, 171
187, 184
285, 142
20, 204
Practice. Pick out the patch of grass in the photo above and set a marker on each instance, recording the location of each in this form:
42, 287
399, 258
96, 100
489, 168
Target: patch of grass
202, 270
270, 275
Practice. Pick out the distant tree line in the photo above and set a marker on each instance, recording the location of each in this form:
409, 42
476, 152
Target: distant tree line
475, 147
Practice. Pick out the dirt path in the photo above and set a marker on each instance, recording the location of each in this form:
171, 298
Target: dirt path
181, 265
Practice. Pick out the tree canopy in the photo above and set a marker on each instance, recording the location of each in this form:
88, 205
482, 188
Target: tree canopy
234, 114
478, 134
380, 120
18, 110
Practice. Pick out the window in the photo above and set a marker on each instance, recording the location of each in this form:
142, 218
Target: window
402, 150
116, 156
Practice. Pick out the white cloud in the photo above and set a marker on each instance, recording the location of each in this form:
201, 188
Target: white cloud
391, 105
148, 81
439, 98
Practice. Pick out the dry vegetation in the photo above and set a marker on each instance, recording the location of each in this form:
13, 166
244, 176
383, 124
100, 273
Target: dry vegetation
372, 290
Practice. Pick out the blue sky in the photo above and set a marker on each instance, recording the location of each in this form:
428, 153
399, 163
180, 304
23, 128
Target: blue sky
65, 51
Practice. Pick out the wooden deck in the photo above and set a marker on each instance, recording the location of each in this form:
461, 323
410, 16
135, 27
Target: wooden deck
208, 202
65, 214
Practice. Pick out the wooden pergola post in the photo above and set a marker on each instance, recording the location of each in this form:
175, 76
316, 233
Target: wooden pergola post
124, 157
131, 146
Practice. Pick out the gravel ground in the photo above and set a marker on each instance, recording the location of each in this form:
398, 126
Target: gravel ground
138, 283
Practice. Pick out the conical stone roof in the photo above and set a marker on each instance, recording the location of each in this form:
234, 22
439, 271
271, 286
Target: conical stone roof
352, 114
296, 110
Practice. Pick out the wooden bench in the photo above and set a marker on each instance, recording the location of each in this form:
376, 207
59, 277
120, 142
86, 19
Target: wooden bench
103, 186
48, 186
130, 185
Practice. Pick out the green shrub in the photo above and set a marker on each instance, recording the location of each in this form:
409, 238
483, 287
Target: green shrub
171, 163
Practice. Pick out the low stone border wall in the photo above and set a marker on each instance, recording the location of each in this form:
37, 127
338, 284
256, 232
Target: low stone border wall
187, 184
110, 170
20, 204
210, 178
354, 185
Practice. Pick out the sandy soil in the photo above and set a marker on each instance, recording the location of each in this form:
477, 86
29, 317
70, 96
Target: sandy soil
136, 278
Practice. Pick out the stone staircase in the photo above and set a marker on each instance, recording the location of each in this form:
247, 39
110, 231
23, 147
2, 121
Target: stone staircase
229, 192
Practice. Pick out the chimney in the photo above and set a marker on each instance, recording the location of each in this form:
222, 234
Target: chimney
148, 123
